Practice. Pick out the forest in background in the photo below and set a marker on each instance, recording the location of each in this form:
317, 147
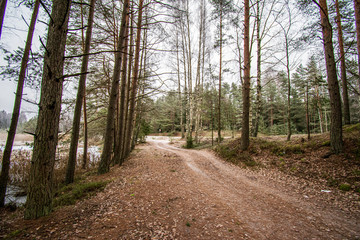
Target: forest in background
124, 69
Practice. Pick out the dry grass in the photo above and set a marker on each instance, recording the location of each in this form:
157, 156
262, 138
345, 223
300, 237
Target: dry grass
20, 138
307, 159
20, 167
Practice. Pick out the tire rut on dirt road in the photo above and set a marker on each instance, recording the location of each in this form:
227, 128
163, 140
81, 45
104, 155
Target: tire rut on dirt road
270, 213
165, 192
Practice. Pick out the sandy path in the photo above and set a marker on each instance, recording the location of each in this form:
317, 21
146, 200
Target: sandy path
164, 192
266, 212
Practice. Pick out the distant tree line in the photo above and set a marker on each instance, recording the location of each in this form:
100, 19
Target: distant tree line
5, 119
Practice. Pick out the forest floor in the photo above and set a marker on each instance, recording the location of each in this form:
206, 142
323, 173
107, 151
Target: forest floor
167, 192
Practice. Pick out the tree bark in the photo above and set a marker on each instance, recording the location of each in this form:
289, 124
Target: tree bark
319, 106
245, 141
258, 79
289, 90
120, 136
40, 194
2, 14
84, 164
357, 22
17, 105
198, 75
85, 150
128, 84
333, 86
134, 82
189, 63
342, 65
70, 171
105, 160
307, 110
220, 71
179, 87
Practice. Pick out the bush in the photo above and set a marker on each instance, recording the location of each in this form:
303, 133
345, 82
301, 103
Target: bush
189, 143
69, 194
345, 187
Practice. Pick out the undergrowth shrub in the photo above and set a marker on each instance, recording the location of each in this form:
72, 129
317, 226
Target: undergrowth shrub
232, 153
68, 195
189, 143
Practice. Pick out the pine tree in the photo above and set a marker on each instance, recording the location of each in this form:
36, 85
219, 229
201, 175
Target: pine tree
40, 194
333, 85
245, 131
105, 161
80, 99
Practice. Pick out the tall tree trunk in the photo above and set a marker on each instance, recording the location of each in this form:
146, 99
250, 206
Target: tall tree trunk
134, 81
271, 111
198, 75
220, 71
326, 121
120, 136
245, 141
333, 85
189, 63
179, 86
319, 106
17, 105
343, 65
186, 56
84, 162
289, 90
109, 131
70, 171
85, 149
2, 14
40, 194
212, 123
203, 63
258, 79
128, 84
357, 21
307, 111
185, 84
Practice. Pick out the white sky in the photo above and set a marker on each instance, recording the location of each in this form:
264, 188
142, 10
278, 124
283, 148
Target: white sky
14, 34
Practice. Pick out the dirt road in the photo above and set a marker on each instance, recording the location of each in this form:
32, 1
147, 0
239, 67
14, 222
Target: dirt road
165, 192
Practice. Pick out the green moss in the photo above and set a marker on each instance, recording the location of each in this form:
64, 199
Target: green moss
295, 149
68, 195
345, 187
14, 234
250, 163
293, 169
352, 128
326, 143
188, 224
226, 152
